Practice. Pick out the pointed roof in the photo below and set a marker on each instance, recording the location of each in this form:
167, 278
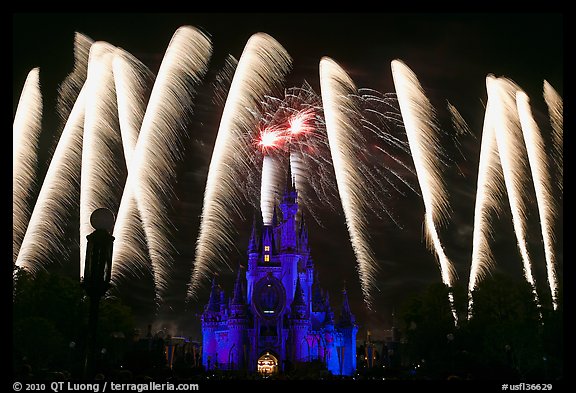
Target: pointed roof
238, 297
298, 294
346, 316
214, 301
274, 217
298, 307
254, 242
290, 183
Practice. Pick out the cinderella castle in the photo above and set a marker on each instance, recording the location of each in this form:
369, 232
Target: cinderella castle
278, 317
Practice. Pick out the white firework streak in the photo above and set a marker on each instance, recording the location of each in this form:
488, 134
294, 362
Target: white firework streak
159, 147
489, 190
298, 170
45, 236
542, 184
132, 80
270, 188
262, 67
26, 133
556, 113
335, 85
100, 168
70, 88
421, 130
512, 157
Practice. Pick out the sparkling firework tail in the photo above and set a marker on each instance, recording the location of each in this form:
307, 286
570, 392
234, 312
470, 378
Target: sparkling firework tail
543, 186
26, 133
263, 65
556, 113
159, 146
101, 168
489, 191
512, 157
421, 129
59, 196
298, 170
271, 179
335, 85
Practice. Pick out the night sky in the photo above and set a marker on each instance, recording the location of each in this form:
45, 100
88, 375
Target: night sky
450, 53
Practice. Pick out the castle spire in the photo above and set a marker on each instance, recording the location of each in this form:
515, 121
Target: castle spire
274, 218
214, 301
238, 298
346, 316
254, 242
298, 307
290, 183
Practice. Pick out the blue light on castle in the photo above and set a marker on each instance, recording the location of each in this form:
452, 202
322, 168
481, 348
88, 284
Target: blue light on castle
278, 317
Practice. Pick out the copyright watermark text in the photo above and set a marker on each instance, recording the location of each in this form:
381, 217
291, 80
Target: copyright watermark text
98, 387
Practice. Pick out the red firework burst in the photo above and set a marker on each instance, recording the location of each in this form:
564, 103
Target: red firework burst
271, 139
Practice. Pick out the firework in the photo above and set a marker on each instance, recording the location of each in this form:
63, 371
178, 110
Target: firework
58, 198
26, 132
542, 184
336, 85
556, 113
418, 116
513, 159
489, 191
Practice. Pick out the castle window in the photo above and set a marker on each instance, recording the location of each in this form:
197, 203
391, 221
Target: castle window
266, 248
266, 258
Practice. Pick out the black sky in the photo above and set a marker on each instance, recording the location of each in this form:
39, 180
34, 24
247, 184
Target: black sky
450, 53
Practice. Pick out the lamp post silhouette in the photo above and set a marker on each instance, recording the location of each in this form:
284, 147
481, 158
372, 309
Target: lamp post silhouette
97, 274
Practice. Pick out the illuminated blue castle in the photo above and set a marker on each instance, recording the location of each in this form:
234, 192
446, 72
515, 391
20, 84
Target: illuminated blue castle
278, 317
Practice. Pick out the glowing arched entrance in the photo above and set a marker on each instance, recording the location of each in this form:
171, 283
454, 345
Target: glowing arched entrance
267, 364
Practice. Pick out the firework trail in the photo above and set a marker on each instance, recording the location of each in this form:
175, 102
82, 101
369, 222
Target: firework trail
100, 164
512, 157
58, 197
335, 86
556, 113
262, 67
132, 81
418, 116
489, 191
159, 147
542, 184
26, 132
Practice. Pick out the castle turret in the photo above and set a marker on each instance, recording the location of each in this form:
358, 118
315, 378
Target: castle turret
348, 329
238, 326
299, 325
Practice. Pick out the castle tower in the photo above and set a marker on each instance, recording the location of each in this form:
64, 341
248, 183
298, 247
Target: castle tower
299, 326
279, 314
